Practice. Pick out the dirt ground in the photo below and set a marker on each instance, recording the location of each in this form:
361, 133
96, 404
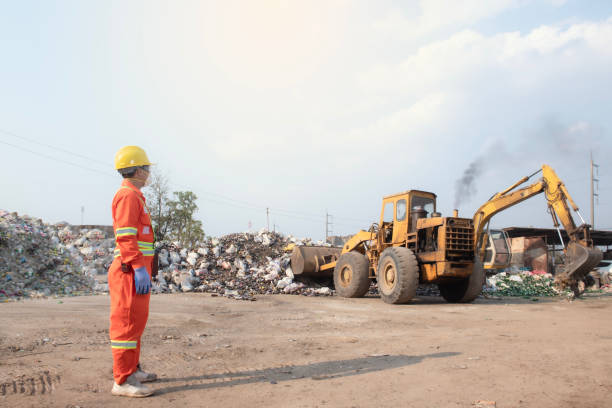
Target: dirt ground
296, 351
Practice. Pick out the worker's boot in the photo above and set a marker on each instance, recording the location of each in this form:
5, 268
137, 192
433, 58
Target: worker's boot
144, 377
131, 388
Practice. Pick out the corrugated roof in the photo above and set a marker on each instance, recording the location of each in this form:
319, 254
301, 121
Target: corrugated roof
600, 238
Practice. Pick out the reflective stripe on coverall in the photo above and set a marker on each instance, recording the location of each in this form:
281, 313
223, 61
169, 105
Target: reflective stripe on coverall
129, 311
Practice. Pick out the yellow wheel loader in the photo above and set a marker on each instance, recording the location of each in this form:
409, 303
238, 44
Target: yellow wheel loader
414, 244
411, 244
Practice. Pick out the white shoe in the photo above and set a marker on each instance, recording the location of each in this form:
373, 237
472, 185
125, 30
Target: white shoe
131, 388
143, 377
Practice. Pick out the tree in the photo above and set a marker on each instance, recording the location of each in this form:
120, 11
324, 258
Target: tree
173, 218
157, 201
182, 226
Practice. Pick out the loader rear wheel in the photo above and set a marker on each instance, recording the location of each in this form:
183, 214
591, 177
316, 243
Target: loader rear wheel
397, 275
351, 277
466, 290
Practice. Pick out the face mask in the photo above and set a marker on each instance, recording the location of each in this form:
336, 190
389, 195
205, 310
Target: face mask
146, 180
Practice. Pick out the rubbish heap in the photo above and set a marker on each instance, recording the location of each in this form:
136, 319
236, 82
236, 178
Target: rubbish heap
39, 259
238, 266
522, 283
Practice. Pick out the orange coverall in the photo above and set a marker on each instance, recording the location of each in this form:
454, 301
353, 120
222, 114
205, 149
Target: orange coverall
129, 311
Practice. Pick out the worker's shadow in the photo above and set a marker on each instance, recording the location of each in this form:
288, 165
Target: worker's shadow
317, 371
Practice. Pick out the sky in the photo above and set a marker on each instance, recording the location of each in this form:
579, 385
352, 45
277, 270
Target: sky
307, 108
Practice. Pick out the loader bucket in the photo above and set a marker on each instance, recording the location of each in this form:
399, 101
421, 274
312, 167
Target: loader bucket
579, 261
307, 260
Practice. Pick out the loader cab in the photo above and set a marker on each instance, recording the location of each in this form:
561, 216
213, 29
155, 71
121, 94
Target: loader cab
497, 252
400, 213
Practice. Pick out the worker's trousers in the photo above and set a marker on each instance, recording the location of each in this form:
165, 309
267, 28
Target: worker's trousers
128, 318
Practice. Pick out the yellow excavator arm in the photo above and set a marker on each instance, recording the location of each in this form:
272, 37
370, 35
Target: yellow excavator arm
582, 257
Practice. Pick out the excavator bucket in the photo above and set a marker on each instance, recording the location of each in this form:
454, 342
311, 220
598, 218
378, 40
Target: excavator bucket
579, 261
308, 260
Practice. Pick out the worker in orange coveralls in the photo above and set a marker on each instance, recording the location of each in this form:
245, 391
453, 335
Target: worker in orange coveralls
129, 276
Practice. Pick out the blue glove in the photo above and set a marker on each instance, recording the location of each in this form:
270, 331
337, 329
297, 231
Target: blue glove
142, 281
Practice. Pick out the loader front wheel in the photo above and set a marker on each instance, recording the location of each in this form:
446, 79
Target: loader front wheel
351, 277
397, 275
466, 290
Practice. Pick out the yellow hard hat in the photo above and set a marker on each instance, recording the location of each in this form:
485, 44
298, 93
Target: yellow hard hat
131, 156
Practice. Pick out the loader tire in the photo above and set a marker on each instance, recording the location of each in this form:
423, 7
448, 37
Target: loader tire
466, 290
397, 275
351, 275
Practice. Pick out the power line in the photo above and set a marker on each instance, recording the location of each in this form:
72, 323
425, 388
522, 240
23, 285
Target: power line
55, 159
230, 204
279, 211
53, 147
234, 200
322, 216
272, 211
224, 200
307, 217
351, 219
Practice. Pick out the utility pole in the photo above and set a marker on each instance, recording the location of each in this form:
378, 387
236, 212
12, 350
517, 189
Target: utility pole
82, 214
593, 193
328, 224
268, 218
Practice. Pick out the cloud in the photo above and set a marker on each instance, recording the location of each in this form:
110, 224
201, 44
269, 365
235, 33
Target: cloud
433, 15
460, 60
429, 17
412, 119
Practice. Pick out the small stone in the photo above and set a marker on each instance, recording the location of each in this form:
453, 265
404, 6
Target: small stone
484, 404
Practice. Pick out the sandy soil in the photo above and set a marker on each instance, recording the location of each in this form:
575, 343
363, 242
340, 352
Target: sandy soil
294, 351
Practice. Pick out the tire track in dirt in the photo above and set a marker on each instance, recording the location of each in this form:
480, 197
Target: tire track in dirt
43, 383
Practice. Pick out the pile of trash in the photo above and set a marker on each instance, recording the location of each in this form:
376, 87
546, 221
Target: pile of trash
522, 283
39, 259
238, 266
